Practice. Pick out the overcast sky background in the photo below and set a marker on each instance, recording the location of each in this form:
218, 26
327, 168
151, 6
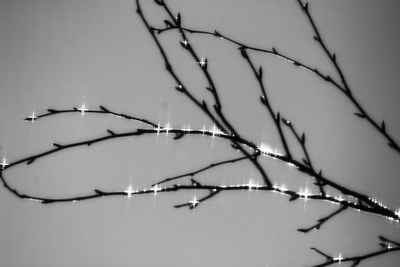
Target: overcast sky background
61, 54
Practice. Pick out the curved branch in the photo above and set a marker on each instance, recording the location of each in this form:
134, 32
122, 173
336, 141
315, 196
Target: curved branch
388, 246
361, 112
102, 110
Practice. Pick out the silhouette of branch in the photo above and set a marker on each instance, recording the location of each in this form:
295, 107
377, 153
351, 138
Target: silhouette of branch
265, 101
224, 129
362, 202
361, 112
82, 110
344, 88
387, 246
210, 166
323, 220
203, 65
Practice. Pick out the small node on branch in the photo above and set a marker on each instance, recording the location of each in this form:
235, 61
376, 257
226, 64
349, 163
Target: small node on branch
180, 88
185, 43
286, 122
178, 135
263, 100
203, 63
359, 115
31, 117
204, 105
57, 145
168, 24
217, 34
110, 132
303, 139
383, 126
243, 52
296, 63
260, 73
104, 109
178, 20
159, 2
327, 78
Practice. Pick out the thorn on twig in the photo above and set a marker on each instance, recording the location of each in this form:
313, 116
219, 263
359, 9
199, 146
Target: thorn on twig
52, 110
168, 24
178, 20
30, 161
305, 161
263, 100
316, 38
274, 50
278, 117
334, 57
57, 145
328, 258
104, 109
260, 73
47, 201
194, 182
327, 78
178, 135
110, 132
210, 89
185, 43
303, 139
180, 88
204, 104
296, 63
98, 192
159, 2
294, 197
383, 126
286, 122
243, 52
305, 6
359, 115
217, 34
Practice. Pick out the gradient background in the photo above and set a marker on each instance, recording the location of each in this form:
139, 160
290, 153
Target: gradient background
60, 54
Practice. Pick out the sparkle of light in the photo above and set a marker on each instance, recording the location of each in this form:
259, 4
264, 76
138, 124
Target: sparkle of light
32, 117
83, 108
186, 128
167, 128
202, 62
339, 258
4, 163
158, 129
305, 192
194, 202
253, 184
215, 131
156, 188
203, 130
129, 191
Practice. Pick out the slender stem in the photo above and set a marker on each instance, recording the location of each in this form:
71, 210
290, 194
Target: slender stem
265, 101
387, 247
362, 113
210, 166
323, 220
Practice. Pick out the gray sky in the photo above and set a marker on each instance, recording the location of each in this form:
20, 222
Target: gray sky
60, 54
